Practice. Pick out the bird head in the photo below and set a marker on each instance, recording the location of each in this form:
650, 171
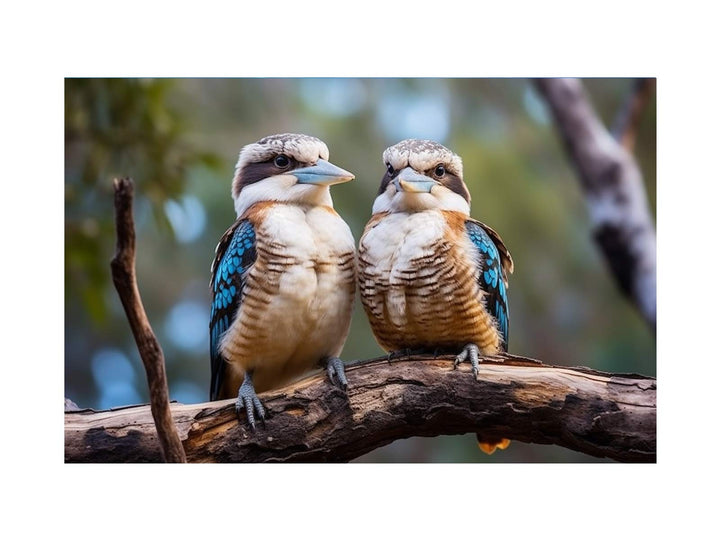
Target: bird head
421, 175
288, 167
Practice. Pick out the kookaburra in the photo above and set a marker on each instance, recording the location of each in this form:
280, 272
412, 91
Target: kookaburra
283, 277
431, 277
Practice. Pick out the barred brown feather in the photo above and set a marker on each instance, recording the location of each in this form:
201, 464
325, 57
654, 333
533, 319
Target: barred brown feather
429, 299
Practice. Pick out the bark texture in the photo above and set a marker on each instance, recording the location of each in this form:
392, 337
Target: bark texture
612, 182
596, 413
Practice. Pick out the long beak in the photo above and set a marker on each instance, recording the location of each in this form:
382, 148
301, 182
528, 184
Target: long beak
323, 173
410, 181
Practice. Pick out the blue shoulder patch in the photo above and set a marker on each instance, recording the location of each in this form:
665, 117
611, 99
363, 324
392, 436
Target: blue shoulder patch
234, 256
491, 277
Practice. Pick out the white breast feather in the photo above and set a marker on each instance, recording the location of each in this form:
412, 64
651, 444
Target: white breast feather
392, 245
309, 315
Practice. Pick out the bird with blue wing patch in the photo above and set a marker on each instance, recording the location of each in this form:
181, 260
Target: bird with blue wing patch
235, 254
431, 277
283, 277
493, 278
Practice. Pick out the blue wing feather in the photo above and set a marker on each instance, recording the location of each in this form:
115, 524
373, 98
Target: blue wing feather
234, 256
494, 263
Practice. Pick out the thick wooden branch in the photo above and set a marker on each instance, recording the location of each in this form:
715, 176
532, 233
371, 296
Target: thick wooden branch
596, 413
613, 186
123, 274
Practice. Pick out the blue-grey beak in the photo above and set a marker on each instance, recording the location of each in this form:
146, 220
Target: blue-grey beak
410, 181
323, 173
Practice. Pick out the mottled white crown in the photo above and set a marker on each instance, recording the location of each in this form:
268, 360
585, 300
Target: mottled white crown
304, 148
421, 155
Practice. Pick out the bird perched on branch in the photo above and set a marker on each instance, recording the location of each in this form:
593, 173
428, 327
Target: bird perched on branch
283, 277
432, 278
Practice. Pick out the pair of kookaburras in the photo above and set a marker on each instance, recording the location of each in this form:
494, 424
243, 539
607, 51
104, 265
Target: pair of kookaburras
284, 276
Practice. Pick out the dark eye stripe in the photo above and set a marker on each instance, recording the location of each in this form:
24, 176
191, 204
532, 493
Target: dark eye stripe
384, 183
254, 172
453, 183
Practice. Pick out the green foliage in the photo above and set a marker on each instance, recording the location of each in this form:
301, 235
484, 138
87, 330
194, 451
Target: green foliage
117, 127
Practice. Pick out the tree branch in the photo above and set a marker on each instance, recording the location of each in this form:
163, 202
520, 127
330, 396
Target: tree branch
614, 191
596, 413
123, 274
628, 119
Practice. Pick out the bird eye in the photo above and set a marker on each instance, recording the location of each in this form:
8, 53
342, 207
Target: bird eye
390, 169
440, 171
282, 161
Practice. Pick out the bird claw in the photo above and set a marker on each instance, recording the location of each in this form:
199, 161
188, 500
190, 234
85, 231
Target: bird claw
336, 372
471, 352
248, 400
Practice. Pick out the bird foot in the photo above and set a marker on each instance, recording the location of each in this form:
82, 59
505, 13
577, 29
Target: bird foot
248, 400
472, 353
336, 372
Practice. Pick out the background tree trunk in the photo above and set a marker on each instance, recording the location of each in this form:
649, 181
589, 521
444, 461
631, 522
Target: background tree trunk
612, 182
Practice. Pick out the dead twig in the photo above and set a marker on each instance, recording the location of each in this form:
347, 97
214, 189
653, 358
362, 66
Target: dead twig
123, 274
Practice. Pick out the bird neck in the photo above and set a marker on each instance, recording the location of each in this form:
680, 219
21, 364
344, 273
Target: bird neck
391, 201
302, 195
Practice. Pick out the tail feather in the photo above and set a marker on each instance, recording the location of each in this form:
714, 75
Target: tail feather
490, 444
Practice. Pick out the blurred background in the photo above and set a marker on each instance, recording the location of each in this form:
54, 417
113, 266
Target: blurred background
179, 140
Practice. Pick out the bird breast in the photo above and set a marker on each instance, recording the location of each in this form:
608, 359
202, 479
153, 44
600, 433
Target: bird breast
298, 297
418, 282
